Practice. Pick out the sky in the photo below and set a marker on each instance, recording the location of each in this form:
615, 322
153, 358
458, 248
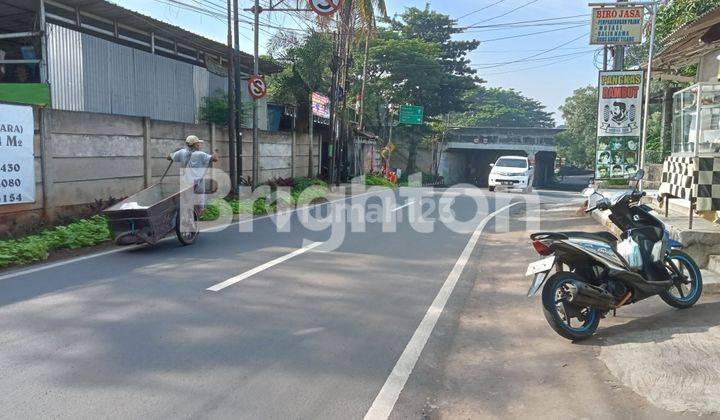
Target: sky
545, 66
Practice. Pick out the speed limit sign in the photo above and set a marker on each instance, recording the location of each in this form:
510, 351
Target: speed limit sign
257, 87
325, 7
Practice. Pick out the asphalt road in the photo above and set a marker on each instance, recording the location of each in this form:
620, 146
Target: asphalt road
300, 325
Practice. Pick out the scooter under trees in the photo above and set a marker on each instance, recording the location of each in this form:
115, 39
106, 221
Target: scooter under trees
595, 273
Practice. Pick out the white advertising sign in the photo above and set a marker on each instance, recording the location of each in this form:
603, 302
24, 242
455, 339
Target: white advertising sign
17, 162
617, 26
620, 105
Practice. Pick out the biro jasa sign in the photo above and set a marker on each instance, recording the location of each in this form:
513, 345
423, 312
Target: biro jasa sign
617, 26
17, 161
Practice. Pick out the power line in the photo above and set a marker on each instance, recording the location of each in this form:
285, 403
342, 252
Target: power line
481, 9
552, 57
531, 34
506, 13
534, 67
529, 25
524, 21
523, 50
530, 57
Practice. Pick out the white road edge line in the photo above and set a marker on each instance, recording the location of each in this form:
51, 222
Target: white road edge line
130, 248
237, 279
403, 206
66, 262
385, 401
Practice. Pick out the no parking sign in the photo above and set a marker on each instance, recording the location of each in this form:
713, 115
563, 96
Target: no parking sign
325, 7
257, 87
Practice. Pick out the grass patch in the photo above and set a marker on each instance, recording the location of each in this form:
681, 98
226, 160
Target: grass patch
302, 191
33, 248
378, 181
617, 182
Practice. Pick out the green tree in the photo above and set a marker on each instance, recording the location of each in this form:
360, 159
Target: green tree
306, 67
497, 107
437, 28
214, 108
577, 144
405, 71
417, 62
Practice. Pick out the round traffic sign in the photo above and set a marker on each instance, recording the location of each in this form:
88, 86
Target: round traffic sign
257, 87
325, 7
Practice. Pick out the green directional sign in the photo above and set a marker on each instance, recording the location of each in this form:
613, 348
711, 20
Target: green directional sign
411, 115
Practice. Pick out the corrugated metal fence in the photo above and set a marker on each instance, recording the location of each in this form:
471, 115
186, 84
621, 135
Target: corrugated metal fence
95, 75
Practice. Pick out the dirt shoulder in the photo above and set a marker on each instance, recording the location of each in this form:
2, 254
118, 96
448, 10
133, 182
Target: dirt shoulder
504, 361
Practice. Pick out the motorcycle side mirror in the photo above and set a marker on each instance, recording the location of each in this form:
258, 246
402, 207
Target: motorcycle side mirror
639, 175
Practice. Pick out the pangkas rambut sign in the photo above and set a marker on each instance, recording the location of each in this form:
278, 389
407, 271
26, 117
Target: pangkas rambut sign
620, 105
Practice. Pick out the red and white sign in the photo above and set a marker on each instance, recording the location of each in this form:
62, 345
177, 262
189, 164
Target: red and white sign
257, 87
325, 7
320, 105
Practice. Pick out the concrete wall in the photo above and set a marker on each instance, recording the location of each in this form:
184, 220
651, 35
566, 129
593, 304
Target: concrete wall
423, 161
82, 158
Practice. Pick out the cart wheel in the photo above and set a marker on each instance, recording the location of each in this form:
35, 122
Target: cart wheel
186, 227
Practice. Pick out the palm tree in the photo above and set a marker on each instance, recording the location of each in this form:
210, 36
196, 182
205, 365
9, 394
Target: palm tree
363, 11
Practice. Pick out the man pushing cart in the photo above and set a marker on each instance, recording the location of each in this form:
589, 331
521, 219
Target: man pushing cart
152, 214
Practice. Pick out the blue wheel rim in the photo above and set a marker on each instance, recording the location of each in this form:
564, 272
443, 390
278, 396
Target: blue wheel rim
591, 314
694, 275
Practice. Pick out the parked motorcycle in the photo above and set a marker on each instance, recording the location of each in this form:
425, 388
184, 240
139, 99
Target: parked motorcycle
596, 273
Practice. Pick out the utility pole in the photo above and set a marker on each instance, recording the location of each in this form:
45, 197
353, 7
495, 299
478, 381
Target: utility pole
311, 133
338, 91
364, 79
231, 100
619, 56
256, 70
333, 105
256, 10
238, 95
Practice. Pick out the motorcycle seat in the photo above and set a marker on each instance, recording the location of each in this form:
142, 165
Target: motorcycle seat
595, 236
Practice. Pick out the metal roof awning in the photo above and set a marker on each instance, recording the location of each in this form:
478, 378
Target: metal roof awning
18, 16
688, 43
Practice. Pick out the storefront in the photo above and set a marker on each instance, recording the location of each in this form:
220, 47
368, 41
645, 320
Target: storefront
692, 172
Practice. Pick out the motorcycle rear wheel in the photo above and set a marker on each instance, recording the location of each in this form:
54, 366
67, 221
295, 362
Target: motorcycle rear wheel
554, 311
685, 294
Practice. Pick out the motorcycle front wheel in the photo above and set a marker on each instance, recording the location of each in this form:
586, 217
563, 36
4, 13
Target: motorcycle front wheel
570, 321
687, 280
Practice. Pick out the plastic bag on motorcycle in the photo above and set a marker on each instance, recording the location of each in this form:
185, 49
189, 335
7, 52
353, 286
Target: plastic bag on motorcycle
630, 251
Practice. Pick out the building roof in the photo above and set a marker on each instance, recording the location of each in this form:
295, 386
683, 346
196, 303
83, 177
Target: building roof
685, 45
12, 12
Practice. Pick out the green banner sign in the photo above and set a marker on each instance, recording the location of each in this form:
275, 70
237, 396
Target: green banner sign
25, 93
411, 115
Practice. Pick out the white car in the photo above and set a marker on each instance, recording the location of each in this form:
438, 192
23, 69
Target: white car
512, 172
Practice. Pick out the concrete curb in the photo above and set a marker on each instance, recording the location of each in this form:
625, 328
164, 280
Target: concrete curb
711, 280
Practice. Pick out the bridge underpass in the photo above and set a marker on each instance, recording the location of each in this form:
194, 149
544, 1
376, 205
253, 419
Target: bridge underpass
468, 153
